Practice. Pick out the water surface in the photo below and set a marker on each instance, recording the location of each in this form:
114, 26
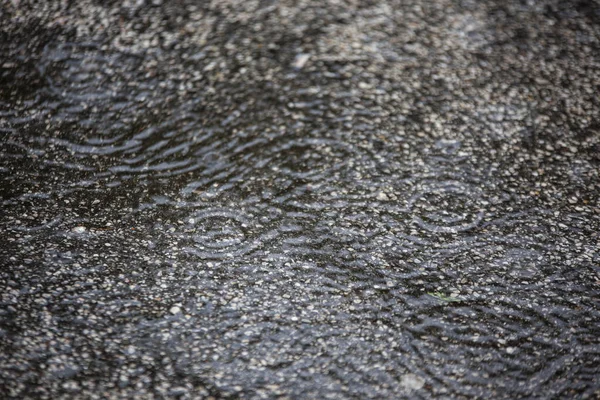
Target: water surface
265, 199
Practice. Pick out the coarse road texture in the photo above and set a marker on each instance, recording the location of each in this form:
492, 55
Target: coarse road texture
300, 199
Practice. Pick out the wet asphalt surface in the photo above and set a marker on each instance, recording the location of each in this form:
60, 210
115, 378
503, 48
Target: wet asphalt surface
300, 199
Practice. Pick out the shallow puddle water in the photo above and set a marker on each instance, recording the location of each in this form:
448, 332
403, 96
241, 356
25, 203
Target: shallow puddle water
300, 199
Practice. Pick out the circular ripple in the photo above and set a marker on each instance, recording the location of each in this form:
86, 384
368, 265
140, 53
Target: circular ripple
447, 207
220, 233
518, 334
446, 152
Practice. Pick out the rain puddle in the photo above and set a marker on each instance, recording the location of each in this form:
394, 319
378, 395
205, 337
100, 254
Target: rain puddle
309, 199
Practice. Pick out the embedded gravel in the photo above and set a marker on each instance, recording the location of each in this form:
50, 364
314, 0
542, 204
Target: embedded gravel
300, 199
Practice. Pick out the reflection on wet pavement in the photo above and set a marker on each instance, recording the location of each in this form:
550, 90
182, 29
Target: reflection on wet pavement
300, 199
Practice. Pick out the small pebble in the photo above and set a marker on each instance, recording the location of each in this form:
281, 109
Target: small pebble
412, 382
300, 60
382, 196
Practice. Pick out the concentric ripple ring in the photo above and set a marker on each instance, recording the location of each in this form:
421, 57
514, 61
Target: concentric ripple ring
447, 207
218, 233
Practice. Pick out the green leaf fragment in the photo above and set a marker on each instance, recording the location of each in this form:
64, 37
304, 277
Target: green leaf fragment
443, 297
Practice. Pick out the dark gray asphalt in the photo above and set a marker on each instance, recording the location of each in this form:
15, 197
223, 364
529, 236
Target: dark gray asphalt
300, 199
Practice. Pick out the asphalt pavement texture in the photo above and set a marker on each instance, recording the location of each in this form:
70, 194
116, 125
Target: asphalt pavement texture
300, 199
